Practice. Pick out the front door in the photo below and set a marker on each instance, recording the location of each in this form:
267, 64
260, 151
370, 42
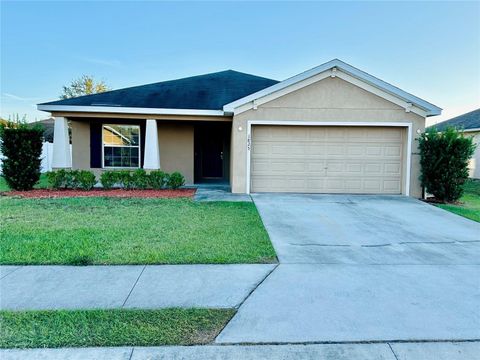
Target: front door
211, 152
212, 158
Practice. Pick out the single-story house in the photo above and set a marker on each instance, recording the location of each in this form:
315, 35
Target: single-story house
47, 125
469, 123
330, 129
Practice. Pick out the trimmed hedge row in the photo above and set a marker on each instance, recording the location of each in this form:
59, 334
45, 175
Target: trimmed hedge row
140, 179
124, 179
71, 179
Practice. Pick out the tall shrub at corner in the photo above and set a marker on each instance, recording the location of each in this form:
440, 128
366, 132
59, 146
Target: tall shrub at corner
21, 147
444, 160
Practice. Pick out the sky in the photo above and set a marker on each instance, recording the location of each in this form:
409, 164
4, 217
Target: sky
430, 49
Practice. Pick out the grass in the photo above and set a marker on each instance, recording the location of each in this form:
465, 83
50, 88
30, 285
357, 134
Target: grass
469, 205
81, 328
41, 184
83, 231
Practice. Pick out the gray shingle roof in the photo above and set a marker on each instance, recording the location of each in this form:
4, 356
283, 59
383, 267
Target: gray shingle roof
466, 121
48, 127
203, 92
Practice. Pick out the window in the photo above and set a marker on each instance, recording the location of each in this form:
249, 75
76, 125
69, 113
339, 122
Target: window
121, 146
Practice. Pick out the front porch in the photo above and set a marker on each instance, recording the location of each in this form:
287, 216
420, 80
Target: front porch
198, 149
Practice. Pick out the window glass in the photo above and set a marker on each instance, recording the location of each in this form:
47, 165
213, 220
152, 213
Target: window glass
121, 144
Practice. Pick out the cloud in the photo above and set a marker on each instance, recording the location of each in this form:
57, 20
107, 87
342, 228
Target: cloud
105, 62
19, 98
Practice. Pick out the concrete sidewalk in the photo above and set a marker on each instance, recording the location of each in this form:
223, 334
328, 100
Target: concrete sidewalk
358, 303
147, 287
379, 351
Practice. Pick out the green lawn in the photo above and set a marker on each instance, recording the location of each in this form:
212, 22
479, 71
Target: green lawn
59, 328
81, 231
469, 205
42, 183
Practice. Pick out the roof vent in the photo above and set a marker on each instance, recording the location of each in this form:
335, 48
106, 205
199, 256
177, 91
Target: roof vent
105, 104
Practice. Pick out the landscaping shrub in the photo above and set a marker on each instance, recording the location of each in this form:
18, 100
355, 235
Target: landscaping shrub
21, 147
108, 179
175, 180
140, 179
56, 179
71, 179
157, 179
444, 162
86, 179
125, 179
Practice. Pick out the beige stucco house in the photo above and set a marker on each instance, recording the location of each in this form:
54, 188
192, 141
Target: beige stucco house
331, 129
469, 124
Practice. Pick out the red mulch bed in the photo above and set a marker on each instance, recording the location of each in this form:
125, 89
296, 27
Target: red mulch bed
119, 193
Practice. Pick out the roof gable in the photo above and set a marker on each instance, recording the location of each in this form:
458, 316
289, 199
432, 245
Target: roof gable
331, 93
468, 121
335, 68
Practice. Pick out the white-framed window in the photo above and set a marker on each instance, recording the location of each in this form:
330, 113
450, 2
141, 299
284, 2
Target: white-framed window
121, 146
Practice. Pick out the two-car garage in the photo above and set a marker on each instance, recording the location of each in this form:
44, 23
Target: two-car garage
332, 129
328, 159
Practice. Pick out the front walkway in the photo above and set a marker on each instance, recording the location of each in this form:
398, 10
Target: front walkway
106, 287
214, 192
383, 351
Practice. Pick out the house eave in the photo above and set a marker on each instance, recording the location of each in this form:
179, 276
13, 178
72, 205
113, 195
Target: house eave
472, 130
129, 110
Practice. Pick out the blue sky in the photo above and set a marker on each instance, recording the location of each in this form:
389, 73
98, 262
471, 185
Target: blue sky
431, 49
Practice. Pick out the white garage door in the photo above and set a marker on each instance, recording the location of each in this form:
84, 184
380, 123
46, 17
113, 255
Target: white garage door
320, 159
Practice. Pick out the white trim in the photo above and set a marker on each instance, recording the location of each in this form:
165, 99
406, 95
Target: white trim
407, 125
62, 156
281, 92
129, 110
408, 106
151, 159
408, 179
470, 130
336, 64
120, 146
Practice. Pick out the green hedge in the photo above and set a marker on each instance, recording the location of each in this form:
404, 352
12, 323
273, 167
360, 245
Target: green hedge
140, 179
444, 160
21, 147
124, 179
71, 179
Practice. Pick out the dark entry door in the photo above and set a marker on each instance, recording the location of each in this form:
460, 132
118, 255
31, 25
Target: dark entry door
211, 152
212, 157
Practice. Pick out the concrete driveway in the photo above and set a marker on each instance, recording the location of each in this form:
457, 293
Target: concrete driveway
363, 268
349, 229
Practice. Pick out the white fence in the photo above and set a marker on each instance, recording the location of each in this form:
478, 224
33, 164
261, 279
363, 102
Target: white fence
47, 156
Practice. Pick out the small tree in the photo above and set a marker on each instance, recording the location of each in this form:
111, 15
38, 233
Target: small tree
21, 147
85, 85
444, 160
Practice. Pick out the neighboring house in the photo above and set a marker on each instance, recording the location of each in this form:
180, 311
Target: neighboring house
331, 129
469, 123
47, 125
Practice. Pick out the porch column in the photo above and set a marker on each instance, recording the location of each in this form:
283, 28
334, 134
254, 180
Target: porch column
151, 159
61, 157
